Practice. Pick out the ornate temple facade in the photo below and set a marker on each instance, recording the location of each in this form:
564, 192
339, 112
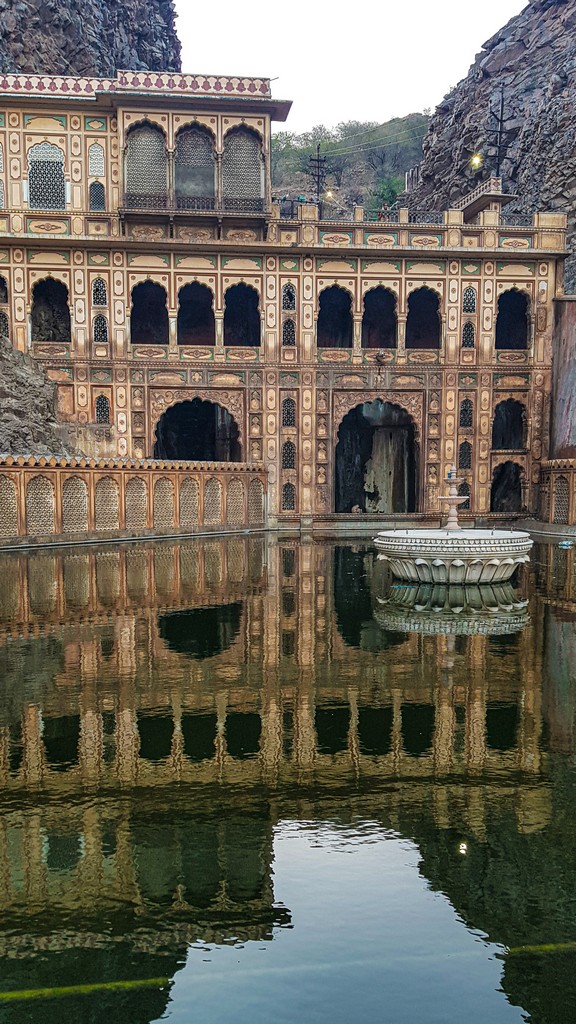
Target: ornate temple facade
187, 314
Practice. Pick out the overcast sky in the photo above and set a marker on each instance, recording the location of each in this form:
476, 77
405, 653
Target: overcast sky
339, 62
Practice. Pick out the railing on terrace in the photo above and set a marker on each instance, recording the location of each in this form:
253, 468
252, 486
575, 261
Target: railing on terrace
170, 203
426, 217
492, 184
517, 220
382, 216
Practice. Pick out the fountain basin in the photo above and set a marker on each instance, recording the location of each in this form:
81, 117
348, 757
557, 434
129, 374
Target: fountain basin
454, 556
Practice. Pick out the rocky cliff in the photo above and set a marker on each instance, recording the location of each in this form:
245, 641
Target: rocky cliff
87, 37
28, 423
533, 61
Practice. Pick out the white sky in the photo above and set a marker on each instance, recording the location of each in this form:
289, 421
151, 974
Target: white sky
342, 61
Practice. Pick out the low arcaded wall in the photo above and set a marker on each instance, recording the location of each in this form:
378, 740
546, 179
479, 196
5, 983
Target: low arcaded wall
44, 500
558, 492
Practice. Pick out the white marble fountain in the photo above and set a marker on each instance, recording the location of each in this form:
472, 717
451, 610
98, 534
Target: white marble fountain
453, 554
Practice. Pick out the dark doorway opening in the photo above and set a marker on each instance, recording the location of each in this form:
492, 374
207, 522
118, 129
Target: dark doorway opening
50, 312
334, 329
195, 315
512, 320
379, 320
423, 321
149, 315
509, 426
506, 493
197, 431
242, 317
376, 460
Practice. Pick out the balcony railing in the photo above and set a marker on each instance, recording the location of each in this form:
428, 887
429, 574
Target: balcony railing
171, 203
426, 217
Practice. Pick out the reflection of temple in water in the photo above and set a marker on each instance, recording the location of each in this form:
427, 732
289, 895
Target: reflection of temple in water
257, 675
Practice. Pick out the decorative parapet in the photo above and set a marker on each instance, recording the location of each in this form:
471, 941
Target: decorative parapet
73, 87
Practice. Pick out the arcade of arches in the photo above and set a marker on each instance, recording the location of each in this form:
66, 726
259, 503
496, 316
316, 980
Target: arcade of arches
198, 431
376, 460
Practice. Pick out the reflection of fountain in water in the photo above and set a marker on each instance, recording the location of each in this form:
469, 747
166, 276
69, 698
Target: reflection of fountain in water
457, 610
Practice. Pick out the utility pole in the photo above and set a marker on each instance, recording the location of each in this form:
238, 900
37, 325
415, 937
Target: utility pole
318, 170
498, 120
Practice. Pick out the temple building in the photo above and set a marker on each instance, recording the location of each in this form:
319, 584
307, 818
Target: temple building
186, 314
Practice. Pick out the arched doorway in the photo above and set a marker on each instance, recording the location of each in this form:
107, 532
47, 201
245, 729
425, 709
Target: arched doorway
509, 426
197, 431
376, 460
506, 492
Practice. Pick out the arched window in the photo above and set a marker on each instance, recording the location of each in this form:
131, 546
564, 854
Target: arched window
468, 335
100, 330
46, 182
334, 328
423, 321
196, 325
512, 320
464, 491
3, 291
288, 412
466, 413
242, 171
149, 315
99, 292
288, 297
469, 300
50, 312
561, 500
146, 169
102, 409
288, 455
288, 332
241, 316
96, 160
379, 319
195, 169
465, 455
288, 498
4, 326
39, 507
97, 197
509, 426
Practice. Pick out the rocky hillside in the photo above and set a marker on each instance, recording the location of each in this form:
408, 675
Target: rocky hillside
27, 415
533, 60
87, 37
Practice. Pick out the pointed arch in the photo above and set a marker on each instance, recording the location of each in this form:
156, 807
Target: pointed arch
335, 324
242, 324
379, 320
50, 312
513, 320
469, 300
146, 168
97, 197
46, 181
423, 323
288, 297
100, 330
243, 170
465, 455
149, 314
466, 417
195, 168
99, 292
288, 333
196, 324
468, 335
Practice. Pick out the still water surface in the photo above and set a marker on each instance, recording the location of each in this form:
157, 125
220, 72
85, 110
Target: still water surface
246, 781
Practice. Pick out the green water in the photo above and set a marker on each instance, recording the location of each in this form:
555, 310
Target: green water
251, 781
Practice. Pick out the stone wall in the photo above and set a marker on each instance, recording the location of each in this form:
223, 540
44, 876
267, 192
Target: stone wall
87, 37
532, 60
563, 420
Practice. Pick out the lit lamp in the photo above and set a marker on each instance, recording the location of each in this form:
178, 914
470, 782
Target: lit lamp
476, 161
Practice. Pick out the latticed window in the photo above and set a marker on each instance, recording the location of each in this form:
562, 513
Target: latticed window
288, 297
97, 197
74, 506
288, 332
194, 164
465, 455
235, 560
242, 171
2, 197
288, 562
189, 503
466, 413
288, 455
8, 508
46, 182
136, 505
468, 335
4, 326
100, 330
469, 300
99, 292
163, 505
39, 507
213, 502
235, 503
288, 498
146, 168
288, 412
106, 505
561, 500
255, 502
96, 160
102, 409
3, 291
464, 491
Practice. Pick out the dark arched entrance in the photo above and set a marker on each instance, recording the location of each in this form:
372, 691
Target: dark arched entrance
376, 460
506, 493
197, 431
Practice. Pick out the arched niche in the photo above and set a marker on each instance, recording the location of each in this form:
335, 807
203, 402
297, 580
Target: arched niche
197, 431
376, 460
